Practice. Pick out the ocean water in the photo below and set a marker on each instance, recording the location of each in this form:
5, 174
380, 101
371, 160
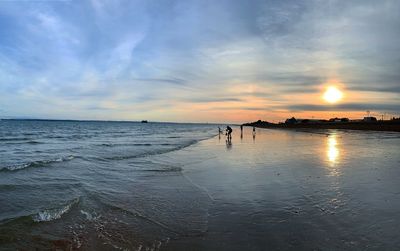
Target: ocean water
64, 180
132, 186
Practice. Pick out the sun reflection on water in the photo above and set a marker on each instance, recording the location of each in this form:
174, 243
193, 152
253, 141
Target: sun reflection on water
333, 154
333, 151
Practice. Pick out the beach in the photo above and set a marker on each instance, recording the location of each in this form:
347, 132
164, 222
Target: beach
180, 125
275, 190
288, 190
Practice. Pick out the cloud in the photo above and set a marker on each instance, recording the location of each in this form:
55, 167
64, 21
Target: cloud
212, 100
378, 88
344, 107
108, 58
174, 81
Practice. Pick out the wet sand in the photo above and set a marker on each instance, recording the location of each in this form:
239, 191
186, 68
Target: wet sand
287, 190
278, 190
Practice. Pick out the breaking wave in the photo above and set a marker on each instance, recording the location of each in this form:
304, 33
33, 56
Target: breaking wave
38, 163
55, 213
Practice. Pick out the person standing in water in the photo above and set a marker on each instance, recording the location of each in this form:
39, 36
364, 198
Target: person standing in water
254, 130
229, 132
219, 132
241, 131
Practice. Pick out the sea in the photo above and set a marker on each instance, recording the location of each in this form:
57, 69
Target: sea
91, 171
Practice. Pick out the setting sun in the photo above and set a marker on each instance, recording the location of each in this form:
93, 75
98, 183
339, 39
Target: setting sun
332, 95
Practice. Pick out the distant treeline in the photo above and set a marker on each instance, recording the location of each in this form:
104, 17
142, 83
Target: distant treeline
375, 125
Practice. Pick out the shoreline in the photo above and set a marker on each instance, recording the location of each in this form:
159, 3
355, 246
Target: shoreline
281, 188
387, 126
284, 188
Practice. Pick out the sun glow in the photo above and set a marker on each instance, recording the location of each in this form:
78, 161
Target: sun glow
332, 95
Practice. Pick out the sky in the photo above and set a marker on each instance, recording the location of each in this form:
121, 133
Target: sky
198, 61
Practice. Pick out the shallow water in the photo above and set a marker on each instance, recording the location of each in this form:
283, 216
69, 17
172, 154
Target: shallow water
105, 186
63, 181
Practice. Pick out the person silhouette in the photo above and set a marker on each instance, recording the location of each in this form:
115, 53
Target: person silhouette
229, 132
219, 132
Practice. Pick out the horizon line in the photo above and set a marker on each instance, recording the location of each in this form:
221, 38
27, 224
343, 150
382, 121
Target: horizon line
101, 120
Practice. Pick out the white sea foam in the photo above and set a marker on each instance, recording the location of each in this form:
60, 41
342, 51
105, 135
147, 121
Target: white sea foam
55, 213
90, 216
36, 163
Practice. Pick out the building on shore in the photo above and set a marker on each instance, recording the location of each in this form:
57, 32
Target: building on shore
369, 119
293, 121
339, 120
